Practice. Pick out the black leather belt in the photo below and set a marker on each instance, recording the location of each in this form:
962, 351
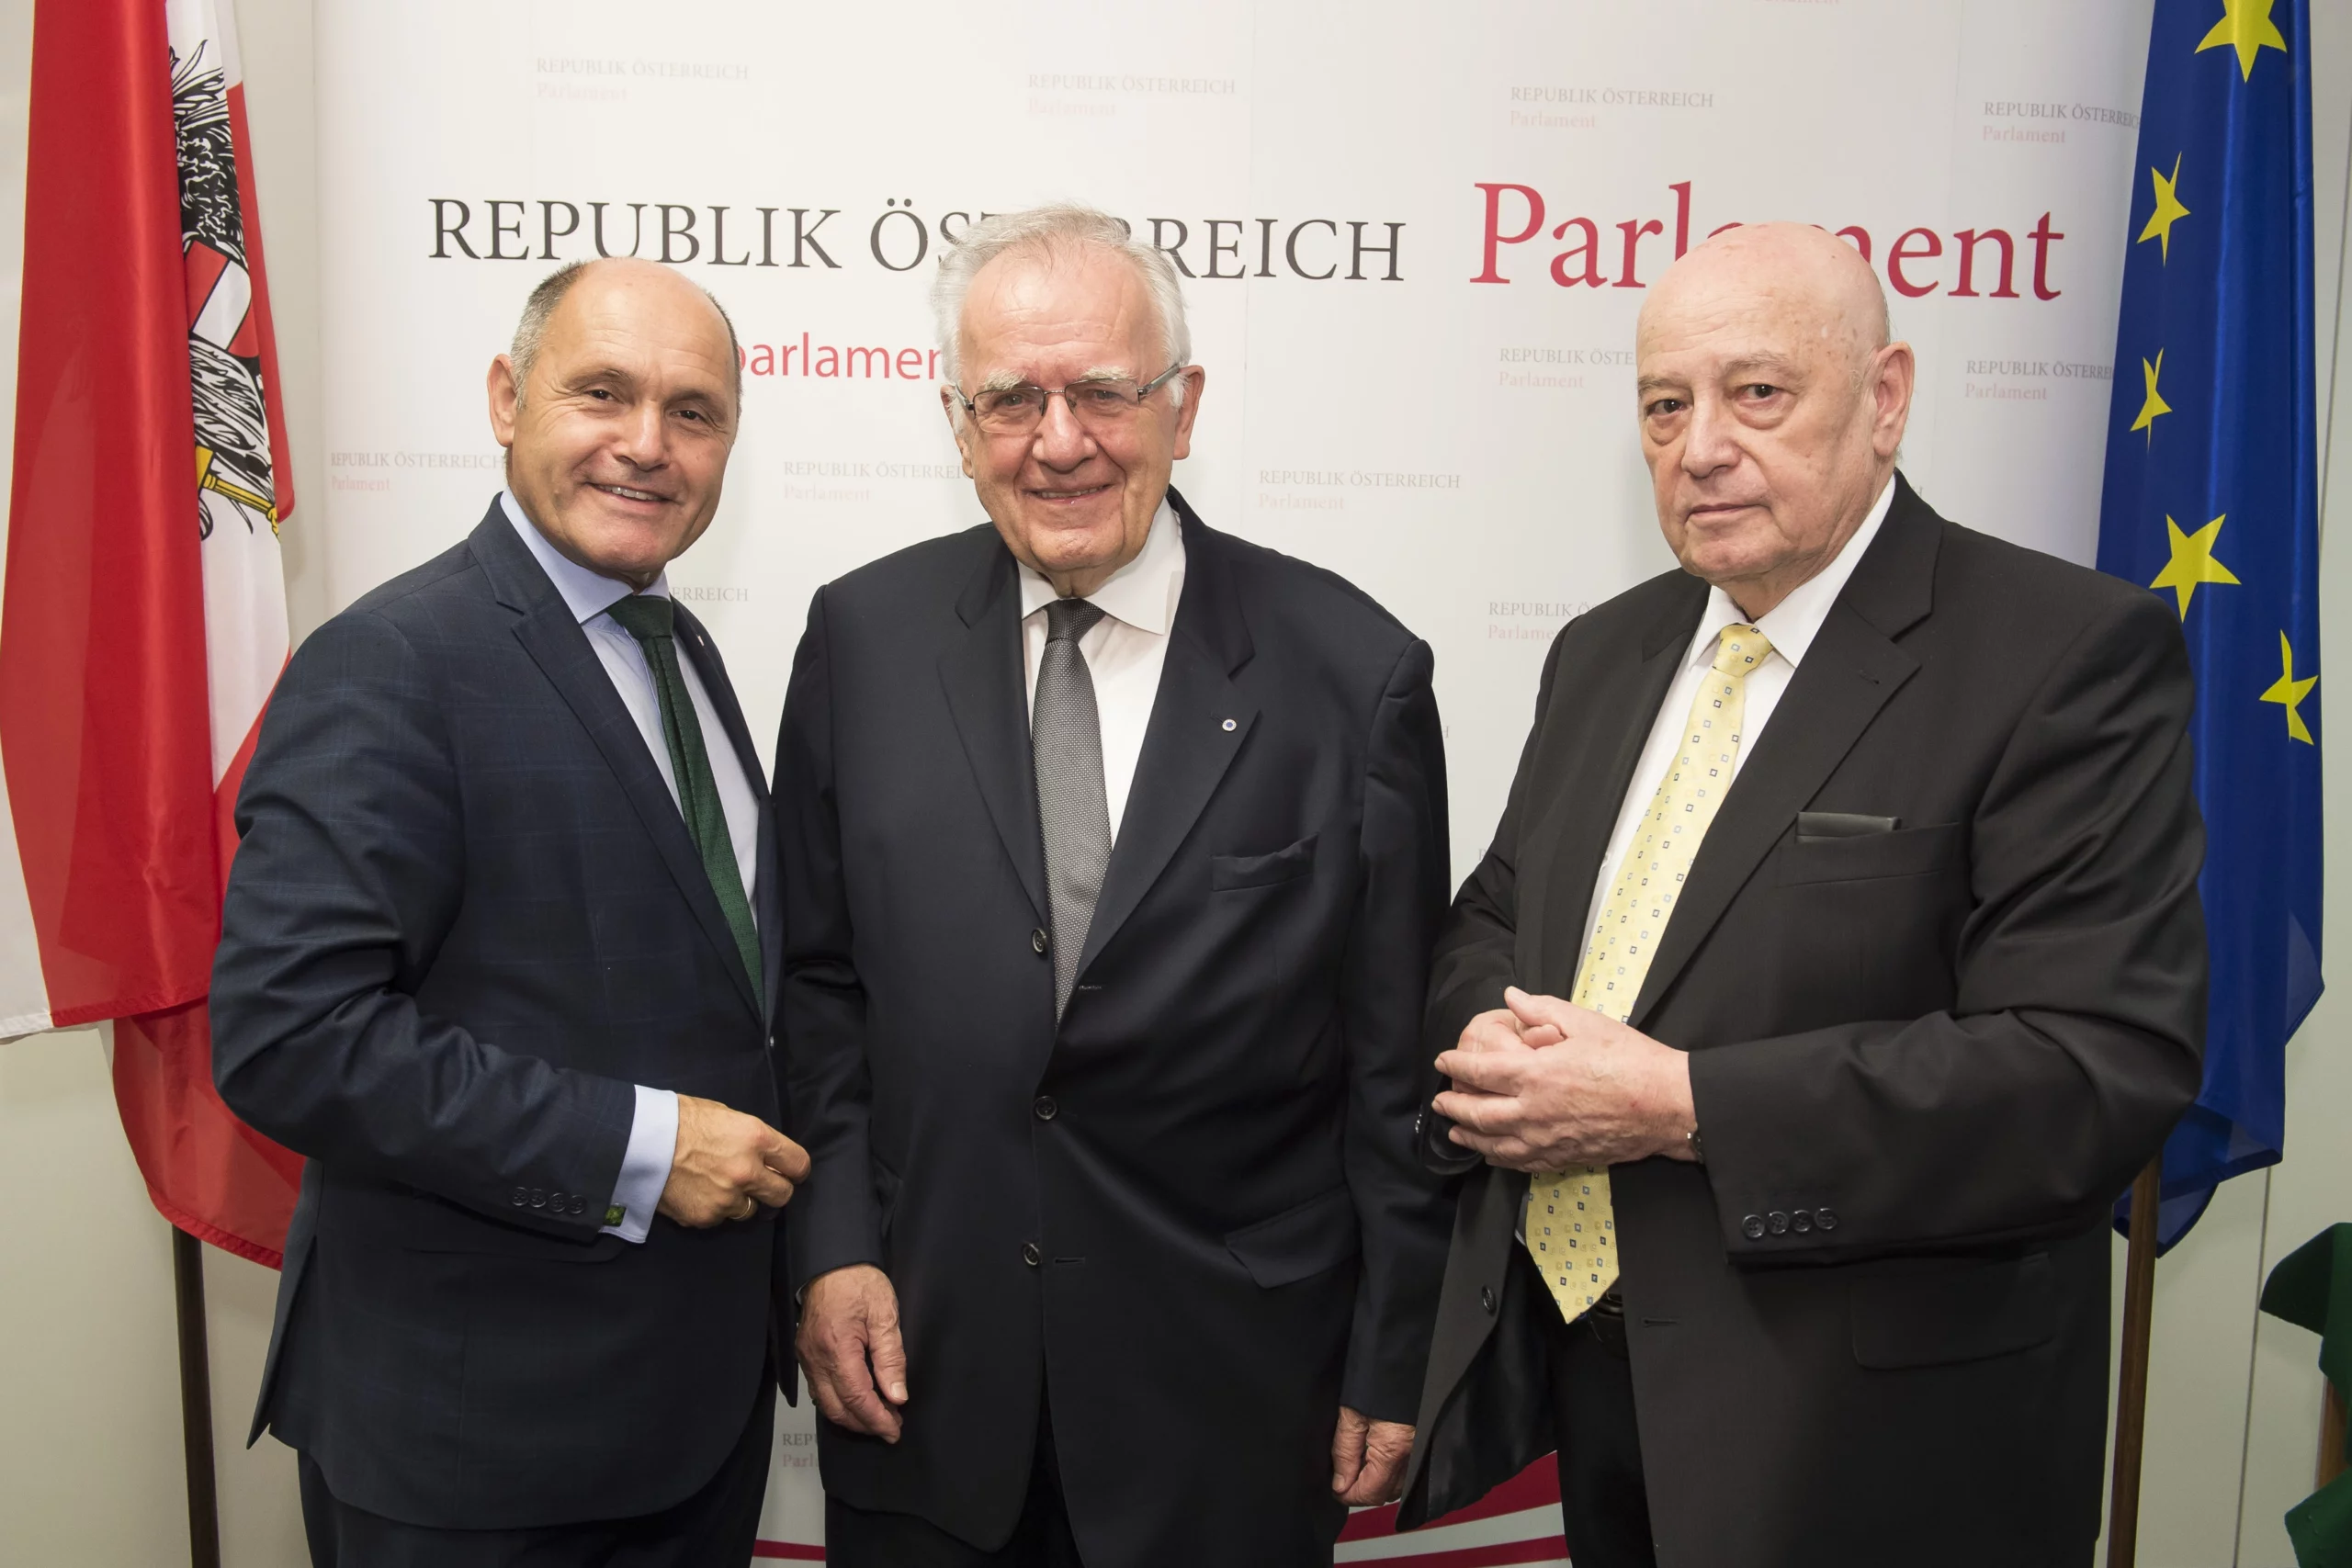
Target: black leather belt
1606, 1321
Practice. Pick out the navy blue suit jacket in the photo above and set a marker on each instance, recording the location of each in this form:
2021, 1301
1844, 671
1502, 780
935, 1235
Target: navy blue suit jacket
465, 920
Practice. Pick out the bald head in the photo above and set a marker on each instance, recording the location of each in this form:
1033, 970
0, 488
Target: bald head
1773, 404
530, 328
1816, 281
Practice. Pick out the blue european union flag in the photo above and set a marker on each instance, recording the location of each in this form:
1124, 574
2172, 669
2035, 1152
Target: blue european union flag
2211, 497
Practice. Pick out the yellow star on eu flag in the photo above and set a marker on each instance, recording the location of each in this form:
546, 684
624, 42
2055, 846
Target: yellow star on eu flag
2169, 211
2286, 692
2245, 26
2155, 405
2192, 562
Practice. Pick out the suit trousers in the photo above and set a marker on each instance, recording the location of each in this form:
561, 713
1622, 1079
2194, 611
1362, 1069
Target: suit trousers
1605, 1501
855, 1538
715, 1528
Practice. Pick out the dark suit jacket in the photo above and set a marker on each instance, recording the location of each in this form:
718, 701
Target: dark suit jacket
1196, 1218
465, 920
1873, 1328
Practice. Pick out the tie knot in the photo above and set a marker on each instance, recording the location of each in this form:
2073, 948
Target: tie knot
1741, 650
644, 616
1066, 620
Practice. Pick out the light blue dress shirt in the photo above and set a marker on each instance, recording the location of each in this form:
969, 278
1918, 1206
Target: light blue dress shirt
653, 1133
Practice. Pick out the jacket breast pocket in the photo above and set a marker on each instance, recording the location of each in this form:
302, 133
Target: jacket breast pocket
1936, 1313
1290, 863
1905, 852
1300, 1242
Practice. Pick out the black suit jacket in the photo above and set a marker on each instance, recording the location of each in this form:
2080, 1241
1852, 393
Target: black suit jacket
1194, 1217
1873, 1328
465, 920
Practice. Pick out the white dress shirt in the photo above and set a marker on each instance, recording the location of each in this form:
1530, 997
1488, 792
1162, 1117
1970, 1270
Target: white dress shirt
1791, 625
1124, 650
654, 1131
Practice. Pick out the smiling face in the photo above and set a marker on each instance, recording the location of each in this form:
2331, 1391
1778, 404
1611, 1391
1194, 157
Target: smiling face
1771, 406
617, 445
1073, 503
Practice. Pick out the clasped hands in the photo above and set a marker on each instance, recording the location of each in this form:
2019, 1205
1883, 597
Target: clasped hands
1542, 1085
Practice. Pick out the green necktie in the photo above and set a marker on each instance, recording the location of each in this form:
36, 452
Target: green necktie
652, 620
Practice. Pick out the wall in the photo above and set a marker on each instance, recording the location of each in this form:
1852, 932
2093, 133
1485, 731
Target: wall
89, 1452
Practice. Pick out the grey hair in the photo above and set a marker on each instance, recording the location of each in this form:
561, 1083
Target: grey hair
531, 330
1057, 231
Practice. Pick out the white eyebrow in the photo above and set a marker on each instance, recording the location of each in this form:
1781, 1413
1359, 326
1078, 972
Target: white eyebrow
1005, 380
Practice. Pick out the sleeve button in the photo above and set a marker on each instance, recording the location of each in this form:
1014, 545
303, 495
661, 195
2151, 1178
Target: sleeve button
1777, 1222
1826, 1218
1752, 1227
1802, 1221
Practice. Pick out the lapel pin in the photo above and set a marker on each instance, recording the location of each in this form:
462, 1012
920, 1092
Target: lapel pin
1229, 723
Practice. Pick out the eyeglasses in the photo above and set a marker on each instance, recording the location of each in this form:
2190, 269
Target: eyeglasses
1097, 405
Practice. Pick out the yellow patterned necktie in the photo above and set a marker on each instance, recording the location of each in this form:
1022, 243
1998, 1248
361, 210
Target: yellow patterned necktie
1571, 1228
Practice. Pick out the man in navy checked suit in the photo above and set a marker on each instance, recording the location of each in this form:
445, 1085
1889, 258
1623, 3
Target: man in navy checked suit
499, 957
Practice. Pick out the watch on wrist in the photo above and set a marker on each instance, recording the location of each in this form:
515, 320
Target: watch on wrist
1697, 1149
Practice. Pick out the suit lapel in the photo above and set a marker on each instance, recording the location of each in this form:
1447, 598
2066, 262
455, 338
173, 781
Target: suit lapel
1848, 673
555, 643
987, 695
1619, 706
767, 900
1199, 724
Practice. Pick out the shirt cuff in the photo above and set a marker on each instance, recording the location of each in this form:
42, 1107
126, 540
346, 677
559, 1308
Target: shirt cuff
645, 1168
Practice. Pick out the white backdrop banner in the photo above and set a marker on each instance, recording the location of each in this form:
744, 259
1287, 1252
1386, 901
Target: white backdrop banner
1417, 237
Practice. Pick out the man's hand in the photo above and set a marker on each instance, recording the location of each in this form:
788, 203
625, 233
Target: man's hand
1368, 1459
727, 1165
1602, 1094
848, 1345
1503, 1030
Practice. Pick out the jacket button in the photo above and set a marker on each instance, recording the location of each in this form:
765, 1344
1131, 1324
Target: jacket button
1486, 1298
1045, 1108
1032, 1254
1802, 1221
1752, 1227
1778, 1222
1038, 941
522, 1197
1826, 1218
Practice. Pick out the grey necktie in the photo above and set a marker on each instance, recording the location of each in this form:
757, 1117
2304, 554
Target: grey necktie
1066, 748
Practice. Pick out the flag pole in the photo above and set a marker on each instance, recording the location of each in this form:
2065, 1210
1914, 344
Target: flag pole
2131, 1390
195, 1402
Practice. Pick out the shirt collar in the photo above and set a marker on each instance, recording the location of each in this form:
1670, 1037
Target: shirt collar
587, 594
1143, 592
1795, 621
